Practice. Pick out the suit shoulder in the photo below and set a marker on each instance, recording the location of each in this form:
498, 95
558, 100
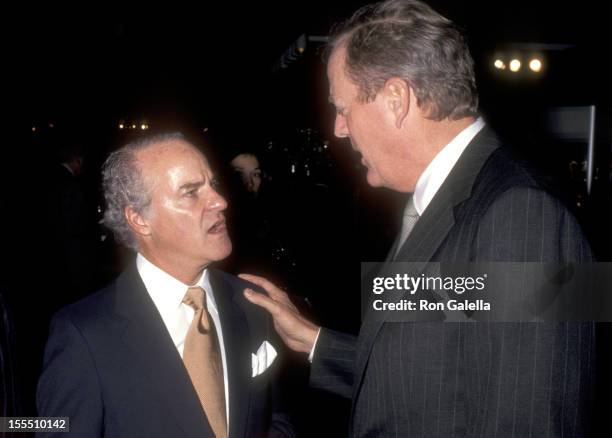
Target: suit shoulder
236, 283
254, 314
93, 307
507, 170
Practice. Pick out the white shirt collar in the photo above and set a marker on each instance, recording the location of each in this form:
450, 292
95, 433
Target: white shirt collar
166, 291
440, 167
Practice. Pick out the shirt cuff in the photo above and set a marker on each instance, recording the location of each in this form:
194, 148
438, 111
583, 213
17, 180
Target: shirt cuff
311, 355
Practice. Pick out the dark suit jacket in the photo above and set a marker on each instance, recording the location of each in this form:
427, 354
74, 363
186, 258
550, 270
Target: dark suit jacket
426, 379
9, 402
111, 366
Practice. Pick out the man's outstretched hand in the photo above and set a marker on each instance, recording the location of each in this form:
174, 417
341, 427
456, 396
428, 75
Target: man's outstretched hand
296, 331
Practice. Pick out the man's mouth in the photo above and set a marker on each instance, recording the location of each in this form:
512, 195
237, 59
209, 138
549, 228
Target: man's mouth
218, 227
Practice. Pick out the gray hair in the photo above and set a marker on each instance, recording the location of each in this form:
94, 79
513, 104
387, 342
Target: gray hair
409, 40
124, 186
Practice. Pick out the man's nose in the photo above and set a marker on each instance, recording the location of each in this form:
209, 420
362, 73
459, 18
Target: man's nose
217, 202
340, 128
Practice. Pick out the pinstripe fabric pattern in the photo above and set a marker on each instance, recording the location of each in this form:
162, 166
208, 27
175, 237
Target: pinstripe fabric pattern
476, 379
336, 360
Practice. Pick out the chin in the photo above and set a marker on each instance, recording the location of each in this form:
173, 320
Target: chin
225, 251
228, 250
374, 180
217, 251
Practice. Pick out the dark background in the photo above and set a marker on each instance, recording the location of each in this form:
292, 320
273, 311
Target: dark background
76, 73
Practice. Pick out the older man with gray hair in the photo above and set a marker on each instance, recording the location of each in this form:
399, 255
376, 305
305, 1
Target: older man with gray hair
170, 348
402, 81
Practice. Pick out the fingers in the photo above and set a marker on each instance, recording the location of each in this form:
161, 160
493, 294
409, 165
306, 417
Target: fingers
262, 300
297, 332
259, 281
274, 291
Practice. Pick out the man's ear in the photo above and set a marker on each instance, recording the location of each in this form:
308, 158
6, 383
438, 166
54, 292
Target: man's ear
137, 222
397, 95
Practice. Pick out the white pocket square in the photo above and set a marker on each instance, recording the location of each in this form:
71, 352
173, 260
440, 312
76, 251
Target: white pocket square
263, 359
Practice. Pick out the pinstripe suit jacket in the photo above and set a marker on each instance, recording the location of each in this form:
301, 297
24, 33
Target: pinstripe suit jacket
429, 379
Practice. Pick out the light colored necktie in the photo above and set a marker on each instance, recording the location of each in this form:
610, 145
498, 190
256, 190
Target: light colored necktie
409, 220
203, 361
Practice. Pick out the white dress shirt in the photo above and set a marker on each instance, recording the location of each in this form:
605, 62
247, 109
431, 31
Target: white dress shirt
440, 167
434, 176
167, 293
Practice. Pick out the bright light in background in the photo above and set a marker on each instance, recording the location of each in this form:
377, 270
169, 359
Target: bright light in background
499, 64
143, 125
515, 65
33, 128
535, 65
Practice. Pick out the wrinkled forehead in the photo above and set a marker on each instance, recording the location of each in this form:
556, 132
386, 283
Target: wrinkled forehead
335, 63
339, 81
172, 160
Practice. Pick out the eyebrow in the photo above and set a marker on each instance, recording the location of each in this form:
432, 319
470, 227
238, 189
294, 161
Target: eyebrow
192, 185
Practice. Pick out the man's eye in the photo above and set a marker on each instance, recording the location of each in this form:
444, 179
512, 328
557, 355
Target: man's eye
191, 193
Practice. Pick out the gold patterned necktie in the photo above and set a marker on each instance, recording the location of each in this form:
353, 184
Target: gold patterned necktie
203, 361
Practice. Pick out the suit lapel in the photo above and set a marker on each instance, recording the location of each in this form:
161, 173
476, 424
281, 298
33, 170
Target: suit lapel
147, 341
430, 231
236, 338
